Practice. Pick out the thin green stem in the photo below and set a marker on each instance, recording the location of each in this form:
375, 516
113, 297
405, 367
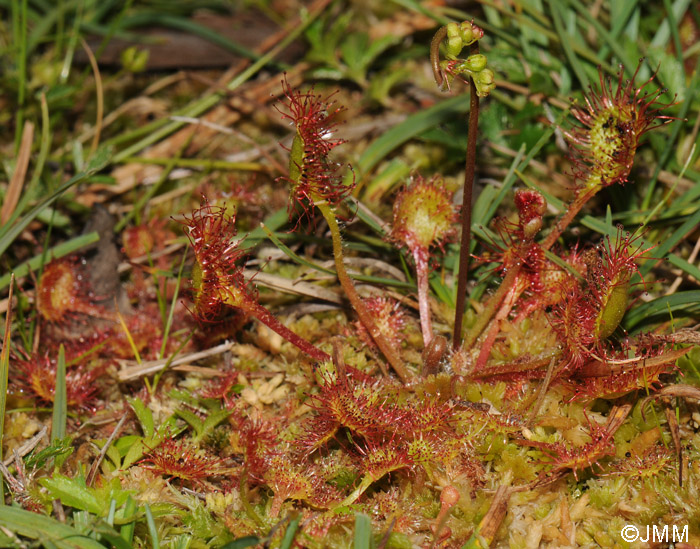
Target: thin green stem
346, 282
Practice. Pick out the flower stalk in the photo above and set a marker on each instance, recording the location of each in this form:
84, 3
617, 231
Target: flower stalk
466, 215
481, 81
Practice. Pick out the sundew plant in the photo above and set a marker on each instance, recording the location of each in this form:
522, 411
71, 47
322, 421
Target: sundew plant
392, 275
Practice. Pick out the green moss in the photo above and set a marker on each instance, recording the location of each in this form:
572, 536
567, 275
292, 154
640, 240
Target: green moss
396, 540
542, 511
606, 493
493, 393
512, 458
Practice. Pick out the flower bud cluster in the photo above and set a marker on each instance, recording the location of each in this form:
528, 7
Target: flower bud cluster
460, 36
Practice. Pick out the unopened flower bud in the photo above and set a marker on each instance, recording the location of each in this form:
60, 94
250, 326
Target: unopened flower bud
484, 82
467, 32
475, 63
486, 77
471, 32
455, 42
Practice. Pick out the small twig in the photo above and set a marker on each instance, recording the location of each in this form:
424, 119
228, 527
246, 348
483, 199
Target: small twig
543, 391
14, 189
28, 446
154, 366
99, 96
98, 460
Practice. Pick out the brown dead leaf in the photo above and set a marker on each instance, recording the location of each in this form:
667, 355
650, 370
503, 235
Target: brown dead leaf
14, 190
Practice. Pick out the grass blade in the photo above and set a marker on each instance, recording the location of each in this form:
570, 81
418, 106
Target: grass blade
295, 257
4, 376
127, 530
673, 25
315, 266
612, 43
159, 129
152, 530
667, 27
51, 532
621, 13
490, 211
191, 27
671, 138
670, 242
681, 301
171, 313
290, 532
19, 34
565, 42
60, 401
409, 128
683, 265
363, 531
